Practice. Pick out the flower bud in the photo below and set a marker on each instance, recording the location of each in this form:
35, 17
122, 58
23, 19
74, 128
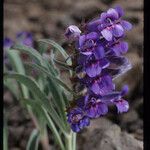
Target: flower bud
72, 32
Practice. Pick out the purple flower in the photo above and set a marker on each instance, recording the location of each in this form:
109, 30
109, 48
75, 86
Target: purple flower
72, 32
116, 99
94, 107
110, 24
99, 60
113, 30
25, 38
7, 43
102, 85
93, 66
87, 43
77, 119
120, 48
122, 105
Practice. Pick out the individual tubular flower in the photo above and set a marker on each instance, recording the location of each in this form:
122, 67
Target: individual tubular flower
116, 99
72, 32
77, 119
24, 38
102, 85
110, 24
93, 106
86, 43
99, 60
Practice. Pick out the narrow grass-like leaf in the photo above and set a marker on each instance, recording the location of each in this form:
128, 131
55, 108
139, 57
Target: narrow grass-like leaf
12, 86
58, 47
65, 99
17, 65
28, 50
41, 69
5, 136
53, 129
42, 47
35, 55
56, 91
58, 99
41, 97
48, 120
33, 140
63, 65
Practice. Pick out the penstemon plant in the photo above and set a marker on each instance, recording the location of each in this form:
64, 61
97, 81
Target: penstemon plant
98, 60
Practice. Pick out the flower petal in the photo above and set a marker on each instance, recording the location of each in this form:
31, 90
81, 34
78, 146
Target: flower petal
92, 25
119, 10
93, 69
126, 25
113, 13
125, 90
122, 105
95, 87
106, 85
124, 47
92, 36
107, 34
86, 121
117, 30
117, 61
75, 127
104, 63
81, 40
103, 109
99, 52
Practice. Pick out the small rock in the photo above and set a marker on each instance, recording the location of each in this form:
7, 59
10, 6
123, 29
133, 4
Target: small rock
107, 136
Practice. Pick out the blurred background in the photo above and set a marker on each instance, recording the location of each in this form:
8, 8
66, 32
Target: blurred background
49, 19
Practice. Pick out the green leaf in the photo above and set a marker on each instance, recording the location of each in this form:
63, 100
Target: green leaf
47, 118
58, 47
13, 87
63, 65
15, 61
65, 99
41, 97
5, 136
42, 47
17, 65
58, 99
28, 50
35, 55
53, 129
33, 140
27, 81
43, 70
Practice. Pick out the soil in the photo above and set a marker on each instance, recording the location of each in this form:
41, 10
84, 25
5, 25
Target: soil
48, 19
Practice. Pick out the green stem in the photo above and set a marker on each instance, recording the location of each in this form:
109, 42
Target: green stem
74, 141
69, 142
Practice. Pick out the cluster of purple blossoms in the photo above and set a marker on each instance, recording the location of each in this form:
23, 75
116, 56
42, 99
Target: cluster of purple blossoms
24, 38
100, 59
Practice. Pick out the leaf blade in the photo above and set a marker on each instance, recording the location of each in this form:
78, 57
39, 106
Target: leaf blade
33, 140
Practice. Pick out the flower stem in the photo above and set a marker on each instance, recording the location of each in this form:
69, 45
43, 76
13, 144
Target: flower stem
69, 142
74, 141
